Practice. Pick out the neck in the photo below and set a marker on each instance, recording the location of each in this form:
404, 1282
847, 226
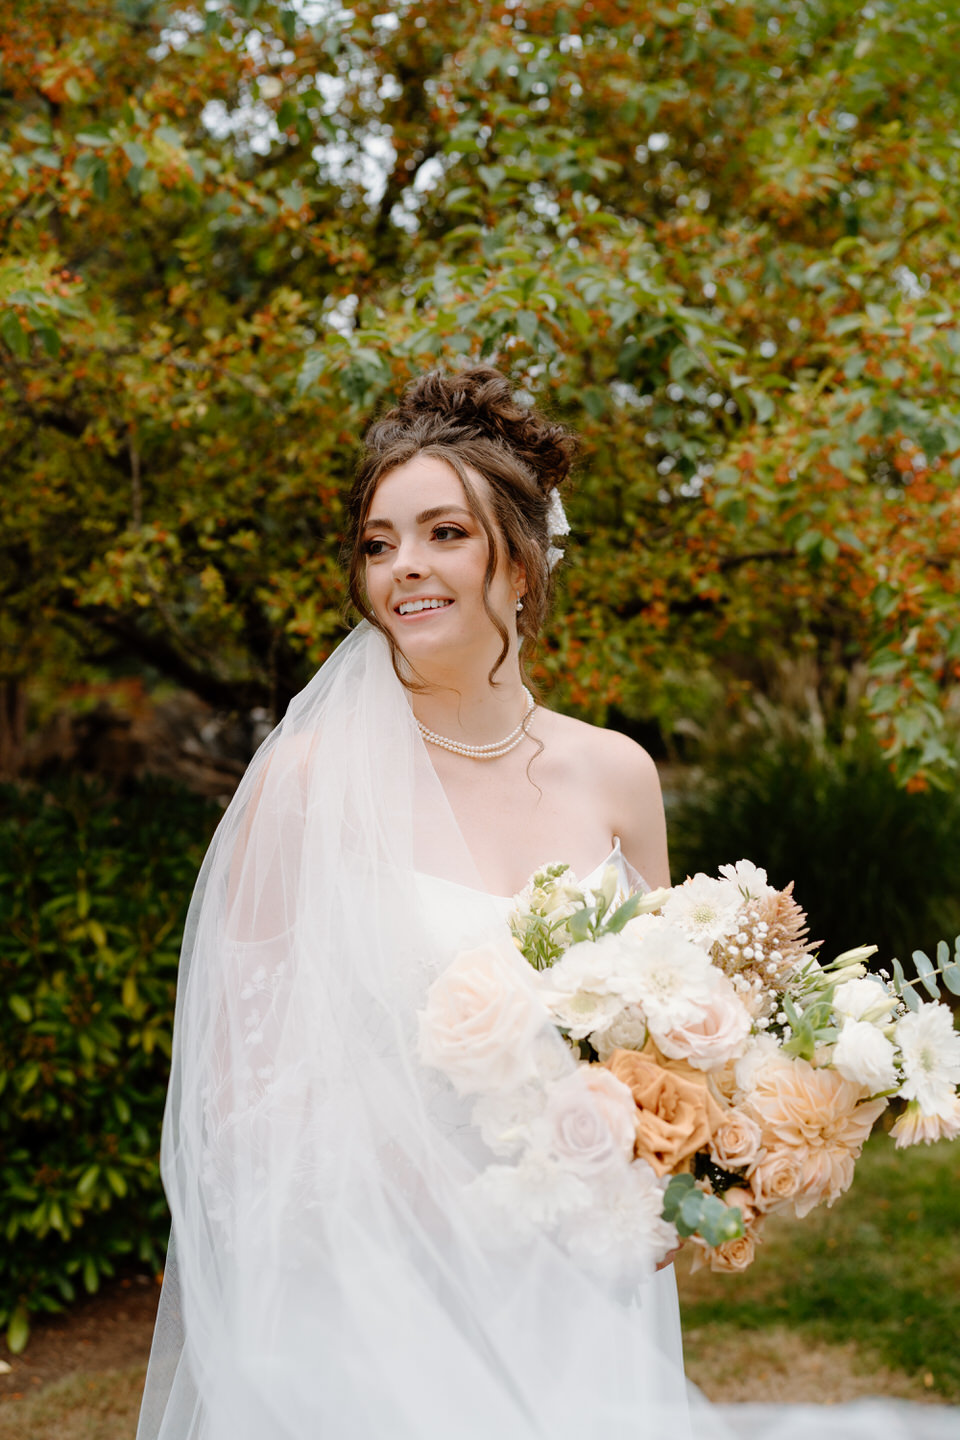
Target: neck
468, 709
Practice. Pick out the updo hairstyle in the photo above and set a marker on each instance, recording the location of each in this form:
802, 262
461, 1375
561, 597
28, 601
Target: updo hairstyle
470, 418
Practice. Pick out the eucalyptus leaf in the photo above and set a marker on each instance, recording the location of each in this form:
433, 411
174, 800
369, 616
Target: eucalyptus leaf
926, 972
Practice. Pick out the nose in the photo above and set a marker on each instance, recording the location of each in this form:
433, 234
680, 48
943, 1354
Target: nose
410, 561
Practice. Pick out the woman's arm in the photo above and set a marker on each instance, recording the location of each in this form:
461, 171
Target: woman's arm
632, 788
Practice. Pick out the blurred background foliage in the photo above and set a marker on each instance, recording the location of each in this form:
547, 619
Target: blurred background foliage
720, 239
93, 892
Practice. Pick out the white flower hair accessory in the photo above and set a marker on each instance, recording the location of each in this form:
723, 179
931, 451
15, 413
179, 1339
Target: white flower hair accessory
557, 526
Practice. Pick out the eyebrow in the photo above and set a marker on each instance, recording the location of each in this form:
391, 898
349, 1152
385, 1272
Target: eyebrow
423, 518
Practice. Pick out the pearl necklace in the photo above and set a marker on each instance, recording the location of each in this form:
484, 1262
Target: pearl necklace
492, 751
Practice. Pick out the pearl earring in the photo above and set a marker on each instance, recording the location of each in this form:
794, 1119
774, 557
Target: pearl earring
519, 603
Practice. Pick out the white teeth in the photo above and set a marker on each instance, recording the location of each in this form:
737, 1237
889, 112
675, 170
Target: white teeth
413, 607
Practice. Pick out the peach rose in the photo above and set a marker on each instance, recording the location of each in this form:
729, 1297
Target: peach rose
676, 1114
776, 1180
817, 1114
480, 1021
736, 1141
732, 1255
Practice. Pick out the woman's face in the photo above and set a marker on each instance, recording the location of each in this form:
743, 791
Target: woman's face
426, 557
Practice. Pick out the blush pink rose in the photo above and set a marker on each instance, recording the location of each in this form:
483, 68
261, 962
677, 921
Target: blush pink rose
715, 1035
480, 1021
591, 1120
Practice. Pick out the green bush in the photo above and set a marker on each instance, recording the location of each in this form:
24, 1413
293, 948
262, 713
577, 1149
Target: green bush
93, 894
872, 862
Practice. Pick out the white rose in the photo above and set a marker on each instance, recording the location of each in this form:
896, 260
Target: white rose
715, 1035
864, 1055
480, 1021
863, 1000
590, 1120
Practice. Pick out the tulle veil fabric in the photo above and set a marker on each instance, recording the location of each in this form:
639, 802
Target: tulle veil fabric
326, 1274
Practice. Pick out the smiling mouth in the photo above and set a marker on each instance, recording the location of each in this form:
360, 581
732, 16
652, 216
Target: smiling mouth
416, 607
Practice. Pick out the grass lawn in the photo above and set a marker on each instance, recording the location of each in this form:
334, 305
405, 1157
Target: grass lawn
878, 1273
80, 1407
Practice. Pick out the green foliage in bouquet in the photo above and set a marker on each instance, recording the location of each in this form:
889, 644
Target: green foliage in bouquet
93, 891
869, 857
696, 1213
948, 969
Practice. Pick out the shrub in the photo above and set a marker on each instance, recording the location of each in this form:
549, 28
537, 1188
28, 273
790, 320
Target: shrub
872, 862
93, 894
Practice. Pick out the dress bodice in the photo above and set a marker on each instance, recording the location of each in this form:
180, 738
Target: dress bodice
462, 915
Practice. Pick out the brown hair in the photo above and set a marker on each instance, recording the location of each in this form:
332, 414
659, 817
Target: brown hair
471, 418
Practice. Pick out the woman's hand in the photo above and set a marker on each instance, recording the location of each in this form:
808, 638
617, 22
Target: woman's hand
669, 1258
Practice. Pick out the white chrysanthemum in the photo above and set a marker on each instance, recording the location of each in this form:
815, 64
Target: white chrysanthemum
914, 1125
749, 879
863, 1000
646, 927
705, 909
627, 1032
864, 1055
930, 1055
584, 1011
589, 965
668, 976
623, 1233
530, 1197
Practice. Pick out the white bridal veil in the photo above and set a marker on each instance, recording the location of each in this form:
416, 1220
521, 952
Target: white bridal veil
327, 1276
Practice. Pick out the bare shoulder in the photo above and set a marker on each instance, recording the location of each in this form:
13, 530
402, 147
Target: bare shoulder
623, 779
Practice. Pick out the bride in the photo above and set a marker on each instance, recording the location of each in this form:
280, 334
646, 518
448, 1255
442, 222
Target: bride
329, 1273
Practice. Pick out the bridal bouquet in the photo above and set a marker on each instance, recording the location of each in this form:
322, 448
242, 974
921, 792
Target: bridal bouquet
722, 1072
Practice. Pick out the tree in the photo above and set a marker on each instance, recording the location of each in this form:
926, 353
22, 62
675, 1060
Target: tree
719, 239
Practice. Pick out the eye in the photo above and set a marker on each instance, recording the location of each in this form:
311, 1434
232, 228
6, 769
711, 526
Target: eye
449, 532
372, 548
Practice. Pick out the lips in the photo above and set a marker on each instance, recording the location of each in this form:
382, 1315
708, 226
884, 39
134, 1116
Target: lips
422, 605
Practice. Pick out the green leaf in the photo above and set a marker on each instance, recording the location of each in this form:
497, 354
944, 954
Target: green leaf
21, 1008
18, 1331
623, 914
88, 1180
13, 334
762, 404
101, 180
49, 339
926, 972
91, 1275
580, 924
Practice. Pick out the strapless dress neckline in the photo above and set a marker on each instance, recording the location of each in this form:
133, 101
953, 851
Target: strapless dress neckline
613, 858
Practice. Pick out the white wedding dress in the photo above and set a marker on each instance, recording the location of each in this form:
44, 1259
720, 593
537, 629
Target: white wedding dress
329, 1277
